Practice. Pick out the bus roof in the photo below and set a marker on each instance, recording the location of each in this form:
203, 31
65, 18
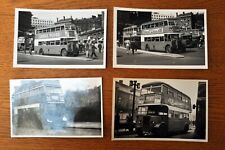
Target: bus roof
157, 83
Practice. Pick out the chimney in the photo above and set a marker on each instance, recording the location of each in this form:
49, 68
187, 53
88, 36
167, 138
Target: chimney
64, 17
57, 19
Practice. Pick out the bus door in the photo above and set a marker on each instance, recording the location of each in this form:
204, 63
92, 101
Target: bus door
73, 48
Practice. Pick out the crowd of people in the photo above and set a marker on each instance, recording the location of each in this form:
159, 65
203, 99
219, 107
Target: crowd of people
90, 46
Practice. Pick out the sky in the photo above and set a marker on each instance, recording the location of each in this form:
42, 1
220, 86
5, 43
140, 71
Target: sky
54, 14
188, 87
174, 11
73, 84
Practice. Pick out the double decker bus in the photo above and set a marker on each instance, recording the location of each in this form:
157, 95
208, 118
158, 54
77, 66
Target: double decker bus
161, 35
60, 39
39, 105
164, 110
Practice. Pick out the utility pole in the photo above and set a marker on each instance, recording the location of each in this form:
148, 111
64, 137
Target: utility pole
135, 85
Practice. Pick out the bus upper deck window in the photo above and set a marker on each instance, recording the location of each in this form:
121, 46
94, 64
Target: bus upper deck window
52, 29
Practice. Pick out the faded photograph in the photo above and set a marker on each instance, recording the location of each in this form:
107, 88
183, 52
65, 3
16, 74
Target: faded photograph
160, 109
56, 107
160, 38
60, 38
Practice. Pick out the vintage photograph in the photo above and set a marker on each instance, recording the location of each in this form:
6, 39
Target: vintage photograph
160, 38
66, 107
160, 109
60, 38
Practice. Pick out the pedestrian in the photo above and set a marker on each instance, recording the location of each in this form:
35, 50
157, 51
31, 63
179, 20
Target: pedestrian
100, 47
128, 46
30, 49
93, 48
87, 48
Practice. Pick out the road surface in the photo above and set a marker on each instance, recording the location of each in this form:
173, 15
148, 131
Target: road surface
193, 56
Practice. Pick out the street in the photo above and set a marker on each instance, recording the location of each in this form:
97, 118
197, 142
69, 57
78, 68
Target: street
192, 56
188, 135
73, 129
35, 59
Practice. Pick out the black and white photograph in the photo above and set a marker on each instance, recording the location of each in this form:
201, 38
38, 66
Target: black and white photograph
60, 38
58, 107
160, 109
160, 38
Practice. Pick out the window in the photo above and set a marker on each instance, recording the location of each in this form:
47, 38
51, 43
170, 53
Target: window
170, 92
52, 29
157, 39
161, 38
57, 42
52, 43
62, 27
57, 28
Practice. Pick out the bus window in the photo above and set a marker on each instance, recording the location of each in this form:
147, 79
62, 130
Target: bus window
57, 42
152, 25
52, 43
142, 110
171, 23
156, 24
161, 38
48, 43
57, 29
40, 43
48, 30
157, 39
179, 97
52, 29
165, 23
170, 92
62, 27
44, 30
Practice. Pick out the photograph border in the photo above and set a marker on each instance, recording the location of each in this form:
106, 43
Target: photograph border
16, 24
116, 65
54, 136
157, 139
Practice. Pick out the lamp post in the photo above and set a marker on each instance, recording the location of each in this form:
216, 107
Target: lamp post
135, 85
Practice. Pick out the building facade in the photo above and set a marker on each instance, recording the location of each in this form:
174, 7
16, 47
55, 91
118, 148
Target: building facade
40, 23
124, 101
158, 16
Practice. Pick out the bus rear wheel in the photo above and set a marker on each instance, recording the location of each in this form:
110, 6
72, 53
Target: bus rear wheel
168, 49
63, 52
41, 52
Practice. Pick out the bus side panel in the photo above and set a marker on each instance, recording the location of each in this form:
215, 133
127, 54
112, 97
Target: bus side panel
154, 45
56, 49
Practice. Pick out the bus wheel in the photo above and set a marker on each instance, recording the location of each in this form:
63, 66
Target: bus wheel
76, 53
63, 52
147, 47
168, 49
41, 52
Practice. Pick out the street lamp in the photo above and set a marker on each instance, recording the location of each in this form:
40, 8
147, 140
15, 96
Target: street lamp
135, 85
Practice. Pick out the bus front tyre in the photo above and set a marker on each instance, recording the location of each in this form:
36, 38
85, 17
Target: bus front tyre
63, 52
168, 49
